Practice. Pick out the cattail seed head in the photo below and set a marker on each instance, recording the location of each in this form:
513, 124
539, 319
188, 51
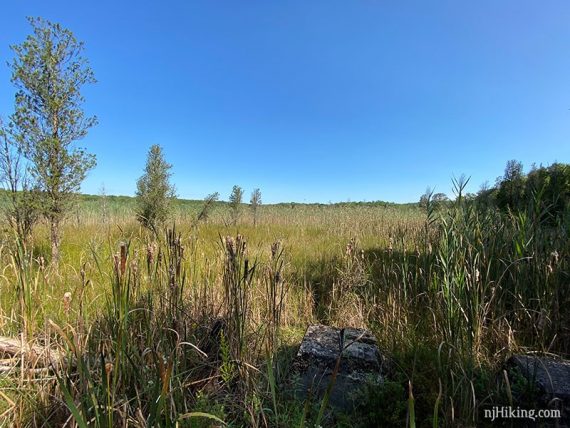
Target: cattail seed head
554, 256
108, 369
116, 263
123, 250
67, 301
230, 247
275, 249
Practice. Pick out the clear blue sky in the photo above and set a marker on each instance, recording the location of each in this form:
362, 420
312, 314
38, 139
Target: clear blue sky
316, 100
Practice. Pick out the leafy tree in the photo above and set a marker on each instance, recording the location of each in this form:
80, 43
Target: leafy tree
549, 189
544, 192
511, 187
235, 202
426, 198
154, 191
21, 207
49, 72
254, 203
440, 198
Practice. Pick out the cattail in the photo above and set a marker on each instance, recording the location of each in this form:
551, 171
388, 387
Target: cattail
350, 248
230, 247
116, 263
67, 301
108, 369
123, 257
241, 244
275, 249
150, 252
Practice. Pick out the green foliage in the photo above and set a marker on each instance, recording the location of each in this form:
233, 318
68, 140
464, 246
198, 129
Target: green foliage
550, 188
511, 189
227, 368
21, 206
545, 190
235, 202
254, 203
382, 405
49, 71
154, 191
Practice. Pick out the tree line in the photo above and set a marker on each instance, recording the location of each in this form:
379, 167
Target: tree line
543, 192
544, 189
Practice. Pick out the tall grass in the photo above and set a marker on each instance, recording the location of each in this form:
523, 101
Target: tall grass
189, 328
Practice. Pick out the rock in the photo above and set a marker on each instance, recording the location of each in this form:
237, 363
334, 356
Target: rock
548, 378
360, 363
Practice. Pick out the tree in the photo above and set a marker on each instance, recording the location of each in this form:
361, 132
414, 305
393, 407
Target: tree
21, 207
511, 187
426, 198
548, 189
440, 198
235, 202
154, 191
254, 203
49, 72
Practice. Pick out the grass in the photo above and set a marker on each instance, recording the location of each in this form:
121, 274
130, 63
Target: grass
195, 326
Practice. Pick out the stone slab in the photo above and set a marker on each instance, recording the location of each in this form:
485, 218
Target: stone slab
360, 363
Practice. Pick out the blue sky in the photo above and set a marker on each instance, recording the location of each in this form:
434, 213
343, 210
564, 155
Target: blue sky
316, 100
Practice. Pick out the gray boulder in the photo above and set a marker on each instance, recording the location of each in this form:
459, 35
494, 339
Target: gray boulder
547, 378
360, 363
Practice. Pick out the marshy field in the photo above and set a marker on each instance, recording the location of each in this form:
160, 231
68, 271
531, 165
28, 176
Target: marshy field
196, 323
160, 311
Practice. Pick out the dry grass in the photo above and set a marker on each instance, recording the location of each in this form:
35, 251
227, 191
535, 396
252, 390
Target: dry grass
156, 330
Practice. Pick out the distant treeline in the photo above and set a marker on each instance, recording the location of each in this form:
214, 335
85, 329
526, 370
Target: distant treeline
544, 189
129, 201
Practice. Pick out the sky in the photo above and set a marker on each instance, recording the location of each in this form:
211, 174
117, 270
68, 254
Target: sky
315, 101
